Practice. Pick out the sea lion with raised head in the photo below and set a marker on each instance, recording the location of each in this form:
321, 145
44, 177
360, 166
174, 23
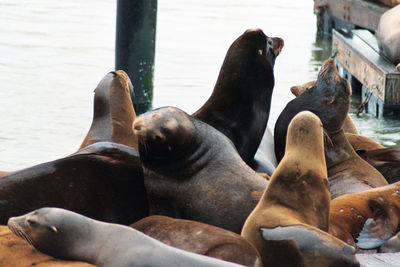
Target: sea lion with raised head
240, 103
209, 240
287, 225
113, 112
329, 98
349, 213
357, 141
103, 181
15, 252
67, 235
192, 171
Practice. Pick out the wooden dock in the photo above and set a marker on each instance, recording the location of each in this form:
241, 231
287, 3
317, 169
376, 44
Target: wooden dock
347, 14
358, 58
379, 260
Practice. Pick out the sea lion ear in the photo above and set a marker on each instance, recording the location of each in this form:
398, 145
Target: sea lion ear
378, 229
330, 100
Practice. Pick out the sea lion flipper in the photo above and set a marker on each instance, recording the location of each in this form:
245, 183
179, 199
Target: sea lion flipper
378, 229
367, 238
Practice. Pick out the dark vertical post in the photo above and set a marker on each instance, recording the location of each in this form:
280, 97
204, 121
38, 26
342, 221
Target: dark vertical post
135, 46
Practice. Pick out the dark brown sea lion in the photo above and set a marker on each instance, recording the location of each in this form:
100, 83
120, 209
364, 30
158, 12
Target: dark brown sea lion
113, 112
330, 100
388, 34
15, 252
357, 141
285, 225
348, 213
385, 160
67, 235
240, 103
200, 238
103, 181
193, 171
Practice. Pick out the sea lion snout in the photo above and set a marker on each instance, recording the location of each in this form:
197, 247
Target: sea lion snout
275, 44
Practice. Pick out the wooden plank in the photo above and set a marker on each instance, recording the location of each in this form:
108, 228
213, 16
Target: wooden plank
358, 12
358, 52
379, 259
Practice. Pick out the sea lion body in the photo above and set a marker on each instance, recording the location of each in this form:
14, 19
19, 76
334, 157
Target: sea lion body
348, 213
329, 98
67, 235
193, 171
386, 161
388, 34
240, 103
264, 159
103, 181
285, 225
209, 240
113, 113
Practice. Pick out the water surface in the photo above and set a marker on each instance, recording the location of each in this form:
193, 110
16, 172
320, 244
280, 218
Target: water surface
53, 54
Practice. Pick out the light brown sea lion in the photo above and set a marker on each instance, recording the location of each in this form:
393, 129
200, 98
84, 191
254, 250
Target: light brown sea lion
330, 100
390, 3
240, 103
348, 213
285, 225
103, 181
113, 112
15, 252
388, 34
192, 171
200, 238
67, 235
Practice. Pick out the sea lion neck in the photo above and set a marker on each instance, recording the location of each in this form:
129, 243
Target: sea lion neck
337, 148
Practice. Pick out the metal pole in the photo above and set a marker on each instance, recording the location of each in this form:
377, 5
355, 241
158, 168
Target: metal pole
135, 47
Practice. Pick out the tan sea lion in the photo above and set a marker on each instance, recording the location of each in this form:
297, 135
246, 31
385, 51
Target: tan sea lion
330, 100
286, 224
200, 238
67, 235
113, 112
240, 103
15, 252
348, 213
192, 171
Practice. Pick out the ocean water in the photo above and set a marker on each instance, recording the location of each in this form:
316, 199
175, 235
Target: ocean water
53, 54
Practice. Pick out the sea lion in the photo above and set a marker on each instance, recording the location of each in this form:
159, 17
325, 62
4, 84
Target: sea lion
240, 103
264, 159
15, 252
385, 160
388, 35
192, 171
348, 213
348, 124
357, 141
209, 240
113, 112
285, 225
392, 245
389, 3
103, 181
330, 100
67, 235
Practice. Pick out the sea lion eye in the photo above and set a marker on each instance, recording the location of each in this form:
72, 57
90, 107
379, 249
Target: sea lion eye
32, 222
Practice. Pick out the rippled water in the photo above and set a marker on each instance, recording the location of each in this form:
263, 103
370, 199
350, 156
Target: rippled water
53, 54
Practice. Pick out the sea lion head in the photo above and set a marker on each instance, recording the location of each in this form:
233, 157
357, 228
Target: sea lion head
332, 92
164, 135
50, 231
